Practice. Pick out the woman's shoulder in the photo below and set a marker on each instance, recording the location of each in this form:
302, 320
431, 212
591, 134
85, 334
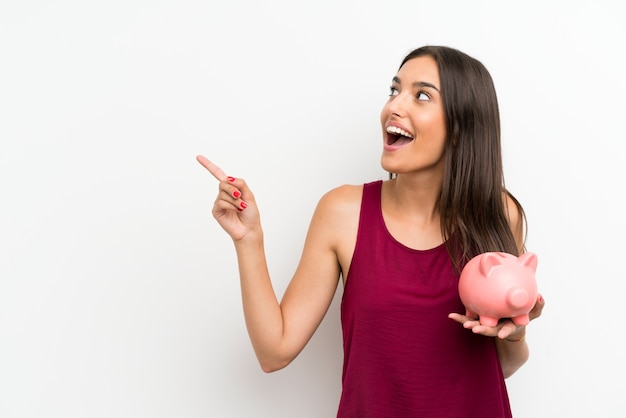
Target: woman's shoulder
346, 193
516, 217
350, 193
342, 197
343, 201
337, 218
513, 209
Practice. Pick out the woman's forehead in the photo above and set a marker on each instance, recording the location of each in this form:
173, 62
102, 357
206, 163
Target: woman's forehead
423, 69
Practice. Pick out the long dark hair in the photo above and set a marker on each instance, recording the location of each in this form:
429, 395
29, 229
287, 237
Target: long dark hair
472, 204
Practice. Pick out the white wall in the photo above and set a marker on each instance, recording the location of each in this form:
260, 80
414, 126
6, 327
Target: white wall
119, 293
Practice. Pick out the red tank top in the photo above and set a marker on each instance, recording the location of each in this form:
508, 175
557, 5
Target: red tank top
403, 356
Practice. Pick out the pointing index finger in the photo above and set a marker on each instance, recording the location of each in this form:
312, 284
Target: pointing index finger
217, 172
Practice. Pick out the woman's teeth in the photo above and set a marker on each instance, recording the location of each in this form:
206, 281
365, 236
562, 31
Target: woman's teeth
397, 131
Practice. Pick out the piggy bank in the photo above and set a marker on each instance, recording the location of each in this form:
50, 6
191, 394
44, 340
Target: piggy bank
496, 285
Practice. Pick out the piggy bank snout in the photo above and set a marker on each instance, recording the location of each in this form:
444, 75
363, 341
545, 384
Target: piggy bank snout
518, 298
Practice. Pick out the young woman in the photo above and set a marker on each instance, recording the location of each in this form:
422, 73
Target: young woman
399, 246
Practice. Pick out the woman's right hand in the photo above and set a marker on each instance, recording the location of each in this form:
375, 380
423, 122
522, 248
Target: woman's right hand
234, 208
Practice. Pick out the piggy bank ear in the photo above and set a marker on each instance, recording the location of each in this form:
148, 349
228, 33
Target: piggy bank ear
488, 261
529, 260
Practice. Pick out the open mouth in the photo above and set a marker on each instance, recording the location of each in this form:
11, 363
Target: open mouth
397, 136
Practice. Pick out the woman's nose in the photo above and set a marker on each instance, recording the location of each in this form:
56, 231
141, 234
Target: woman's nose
397, 106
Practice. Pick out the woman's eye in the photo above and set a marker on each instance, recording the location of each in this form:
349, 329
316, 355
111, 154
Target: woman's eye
393, 91
422, 96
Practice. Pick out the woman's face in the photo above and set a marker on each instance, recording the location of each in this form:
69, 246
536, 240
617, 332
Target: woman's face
413, 120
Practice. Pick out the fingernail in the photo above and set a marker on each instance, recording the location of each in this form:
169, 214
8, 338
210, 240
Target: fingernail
243, 205
231, 179
236, 194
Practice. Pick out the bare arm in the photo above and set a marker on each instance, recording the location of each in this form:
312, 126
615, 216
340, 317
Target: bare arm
511, 344
512, 349
278, 330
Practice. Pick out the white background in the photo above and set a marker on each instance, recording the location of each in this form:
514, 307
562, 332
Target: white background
119, 294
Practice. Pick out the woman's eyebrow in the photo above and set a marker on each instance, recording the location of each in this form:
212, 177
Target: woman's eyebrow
417, 83
425, 84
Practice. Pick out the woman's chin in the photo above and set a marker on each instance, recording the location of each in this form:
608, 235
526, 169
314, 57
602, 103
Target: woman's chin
388, 166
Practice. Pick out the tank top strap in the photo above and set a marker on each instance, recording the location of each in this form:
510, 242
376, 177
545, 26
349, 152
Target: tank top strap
371, 219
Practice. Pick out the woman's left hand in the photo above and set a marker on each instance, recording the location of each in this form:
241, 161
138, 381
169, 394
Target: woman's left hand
505, 329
